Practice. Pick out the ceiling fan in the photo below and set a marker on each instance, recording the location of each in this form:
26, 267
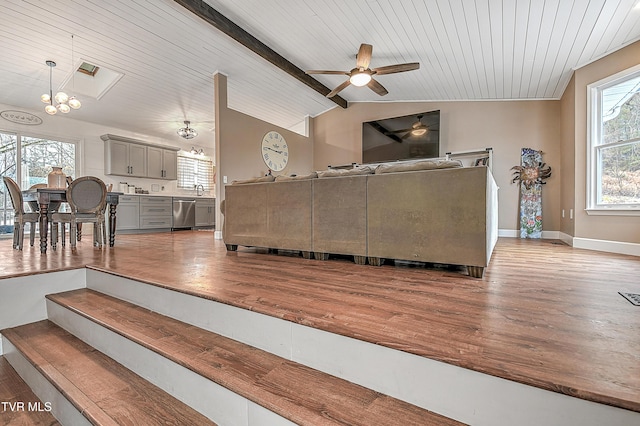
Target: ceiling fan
417, 129
362, 75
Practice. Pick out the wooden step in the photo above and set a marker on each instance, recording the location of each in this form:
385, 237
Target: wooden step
291, 390
20, 406
104, 391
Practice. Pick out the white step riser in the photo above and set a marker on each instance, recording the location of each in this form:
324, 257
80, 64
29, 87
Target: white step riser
454, 392
61, 408
212, 400
22, 298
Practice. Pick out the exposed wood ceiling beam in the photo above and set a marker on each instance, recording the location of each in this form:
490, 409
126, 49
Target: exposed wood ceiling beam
380, 128
222, 23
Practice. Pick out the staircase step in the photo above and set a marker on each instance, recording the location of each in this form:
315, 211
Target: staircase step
296, 392
20, 406
104, 391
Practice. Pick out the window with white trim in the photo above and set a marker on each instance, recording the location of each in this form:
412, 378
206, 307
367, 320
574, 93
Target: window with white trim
194, 171
614, 143
28, 159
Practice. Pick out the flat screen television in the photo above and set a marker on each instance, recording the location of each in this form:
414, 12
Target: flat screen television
401, 138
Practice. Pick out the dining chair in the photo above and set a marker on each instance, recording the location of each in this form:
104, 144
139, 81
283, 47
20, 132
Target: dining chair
21, 217
87, 198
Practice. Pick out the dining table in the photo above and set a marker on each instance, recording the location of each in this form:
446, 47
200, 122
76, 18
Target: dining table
45, 197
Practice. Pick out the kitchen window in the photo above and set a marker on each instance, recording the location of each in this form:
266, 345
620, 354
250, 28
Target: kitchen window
613, 184
194, 171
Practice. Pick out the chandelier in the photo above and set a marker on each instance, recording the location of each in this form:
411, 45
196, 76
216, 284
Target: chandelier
63, 102
187, 132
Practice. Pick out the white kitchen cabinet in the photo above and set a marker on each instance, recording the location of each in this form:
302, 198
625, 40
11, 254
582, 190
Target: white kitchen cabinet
162, 163
205, 212
124, 158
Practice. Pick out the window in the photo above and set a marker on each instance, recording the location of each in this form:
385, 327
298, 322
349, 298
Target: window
40, 155
28, 160
194, 171
614, 145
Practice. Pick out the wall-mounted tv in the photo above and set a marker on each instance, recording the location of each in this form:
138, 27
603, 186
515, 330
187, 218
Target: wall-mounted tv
401, 138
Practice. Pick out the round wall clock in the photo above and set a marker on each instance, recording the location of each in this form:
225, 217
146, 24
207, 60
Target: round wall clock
274, 151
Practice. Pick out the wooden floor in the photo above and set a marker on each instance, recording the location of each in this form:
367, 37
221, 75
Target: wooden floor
544, 314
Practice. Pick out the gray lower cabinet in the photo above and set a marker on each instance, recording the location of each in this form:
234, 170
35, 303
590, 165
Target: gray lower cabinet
155, 212
205, 213
139, 213
128, 213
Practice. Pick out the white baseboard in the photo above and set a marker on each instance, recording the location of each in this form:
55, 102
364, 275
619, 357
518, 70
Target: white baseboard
618, 247
566, 238
608, 246
514, 233
217, 235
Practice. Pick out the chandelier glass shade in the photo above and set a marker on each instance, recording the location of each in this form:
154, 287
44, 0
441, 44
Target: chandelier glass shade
187, 132
63, 102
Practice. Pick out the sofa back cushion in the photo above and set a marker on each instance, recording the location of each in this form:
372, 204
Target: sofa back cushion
417, 165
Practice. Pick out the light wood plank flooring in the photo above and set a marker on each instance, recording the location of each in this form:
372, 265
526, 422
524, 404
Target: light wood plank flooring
544, 314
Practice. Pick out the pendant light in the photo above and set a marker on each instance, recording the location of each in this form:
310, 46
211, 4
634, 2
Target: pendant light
64, 103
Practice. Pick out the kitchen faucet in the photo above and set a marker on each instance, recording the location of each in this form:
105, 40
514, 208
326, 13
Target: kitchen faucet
198, 188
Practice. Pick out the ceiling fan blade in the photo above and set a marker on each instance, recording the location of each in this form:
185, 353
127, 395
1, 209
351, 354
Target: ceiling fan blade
400, 131
391, 69
326, 72
377, 87
408, 130
364, 56
338, 89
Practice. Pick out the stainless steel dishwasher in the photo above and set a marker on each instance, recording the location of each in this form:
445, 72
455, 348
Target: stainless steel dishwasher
184, 213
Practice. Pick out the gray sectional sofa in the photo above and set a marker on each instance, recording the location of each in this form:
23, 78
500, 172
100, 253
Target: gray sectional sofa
427, 211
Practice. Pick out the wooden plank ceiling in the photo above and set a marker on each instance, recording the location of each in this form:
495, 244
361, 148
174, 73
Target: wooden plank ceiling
468, 49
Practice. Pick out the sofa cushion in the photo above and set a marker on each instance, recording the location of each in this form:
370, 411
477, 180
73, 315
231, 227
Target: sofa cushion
360, 170
418, 165
254, 180
284, 178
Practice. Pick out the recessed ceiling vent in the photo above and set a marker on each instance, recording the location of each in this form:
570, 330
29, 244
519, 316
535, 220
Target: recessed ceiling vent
91, 79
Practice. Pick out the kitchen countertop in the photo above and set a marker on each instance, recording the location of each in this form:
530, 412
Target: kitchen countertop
196, 197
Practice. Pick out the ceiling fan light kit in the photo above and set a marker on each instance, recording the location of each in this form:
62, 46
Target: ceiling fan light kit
362, 75
360, 78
